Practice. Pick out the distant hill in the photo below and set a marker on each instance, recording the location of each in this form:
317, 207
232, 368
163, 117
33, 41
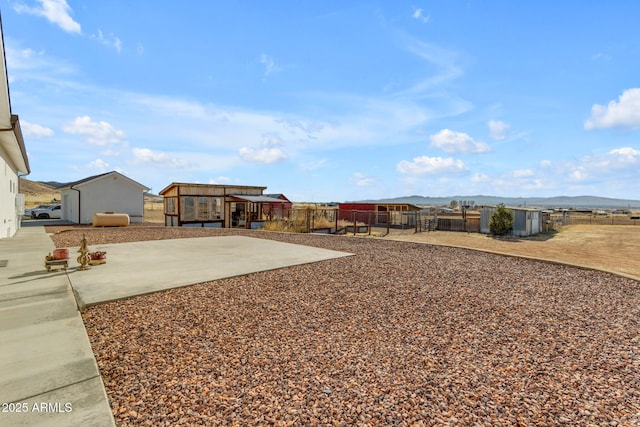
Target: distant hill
35, 187
53, 184
543, 202
37, 193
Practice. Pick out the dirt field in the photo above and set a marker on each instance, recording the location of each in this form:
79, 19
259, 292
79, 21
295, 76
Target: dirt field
153, 211
613, 248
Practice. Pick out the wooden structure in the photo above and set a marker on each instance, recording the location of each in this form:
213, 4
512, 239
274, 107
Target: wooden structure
278, 209
373, 213
219, 206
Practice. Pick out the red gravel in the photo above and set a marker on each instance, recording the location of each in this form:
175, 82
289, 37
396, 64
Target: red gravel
400, 334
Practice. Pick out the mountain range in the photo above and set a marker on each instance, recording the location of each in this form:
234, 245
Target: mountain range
479, 200
543, 202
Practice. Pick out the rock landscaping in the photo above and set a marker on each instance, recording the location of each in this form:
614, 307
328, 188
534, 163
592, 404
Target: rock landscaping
399, 334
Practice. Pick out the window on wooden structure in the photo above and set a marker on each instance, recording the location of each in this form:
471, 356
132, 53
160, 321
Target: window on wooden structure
238, 214
216, 208
188, 209
203, 208
170, 205
254, 209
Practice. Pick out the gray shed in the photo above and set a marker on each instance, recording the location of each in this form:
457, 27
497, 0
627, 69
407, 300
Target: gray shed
526, 221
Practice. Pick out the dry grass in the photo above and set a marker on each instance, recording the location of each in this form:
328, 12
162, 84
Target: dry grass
37, 194
153, 211
614, 248
299, 225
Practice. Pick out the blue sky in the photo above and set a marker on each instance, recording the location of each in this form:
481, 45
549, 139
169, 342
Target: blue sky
332, 100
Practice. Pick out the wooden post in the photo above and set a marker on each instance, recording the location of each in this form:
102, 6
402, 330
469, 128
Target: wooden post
335, 214
353, 216
388, 222
369, 221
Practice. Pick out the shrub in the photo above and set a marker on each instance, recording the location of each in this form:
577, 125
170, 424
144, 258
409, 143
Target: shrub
501, 221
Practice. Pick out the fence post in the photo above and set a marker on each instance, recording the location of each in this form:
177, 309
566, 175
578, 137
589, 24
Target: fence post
388, 221
353, 216
369, 221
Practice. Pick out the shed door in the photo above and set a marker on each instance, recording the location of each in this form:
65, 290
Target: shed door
66, 206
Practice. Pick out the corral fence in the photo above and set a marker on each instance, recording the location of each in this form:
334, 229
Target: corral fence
337, 221
574, 218
331, 220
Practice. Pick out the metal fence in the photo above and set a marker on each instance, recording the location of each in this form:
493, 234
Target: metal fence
336, 221
569, 218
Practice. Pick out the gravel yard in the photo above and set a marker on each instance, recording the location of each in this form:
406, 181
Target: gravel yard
400, 334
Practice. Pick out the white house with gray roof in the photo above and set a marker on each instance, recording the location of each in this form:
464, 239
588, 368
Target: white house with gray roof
107, 192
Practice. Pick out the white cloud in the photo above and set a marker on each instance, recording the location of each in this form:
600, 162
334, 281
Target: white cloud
263, 155
419, 15
546, 163
29, 64
58, 12
270, 66
522, 173
625, 156
578, 174
497, 129
457, 142
220, 180
624, 113
158, 158
480, 177
620, 163
600, 57
447, 67
109, 41
55, 11
100, 165
271, 140
425, 165
270, 151
360, 180
312, 165
34, 131
98, 133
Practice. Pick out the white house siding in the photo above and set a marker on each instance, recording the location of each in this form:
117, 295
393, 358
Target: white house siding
69, 203
109, 193
10, 213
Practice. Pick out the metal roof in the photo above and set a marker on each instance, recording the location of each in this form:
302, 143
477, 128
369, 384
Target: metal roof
99, 176
190, 184
258, 199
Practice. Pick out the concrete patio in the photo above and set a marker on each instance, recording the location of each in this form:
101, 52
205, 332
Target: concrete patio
50, 376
